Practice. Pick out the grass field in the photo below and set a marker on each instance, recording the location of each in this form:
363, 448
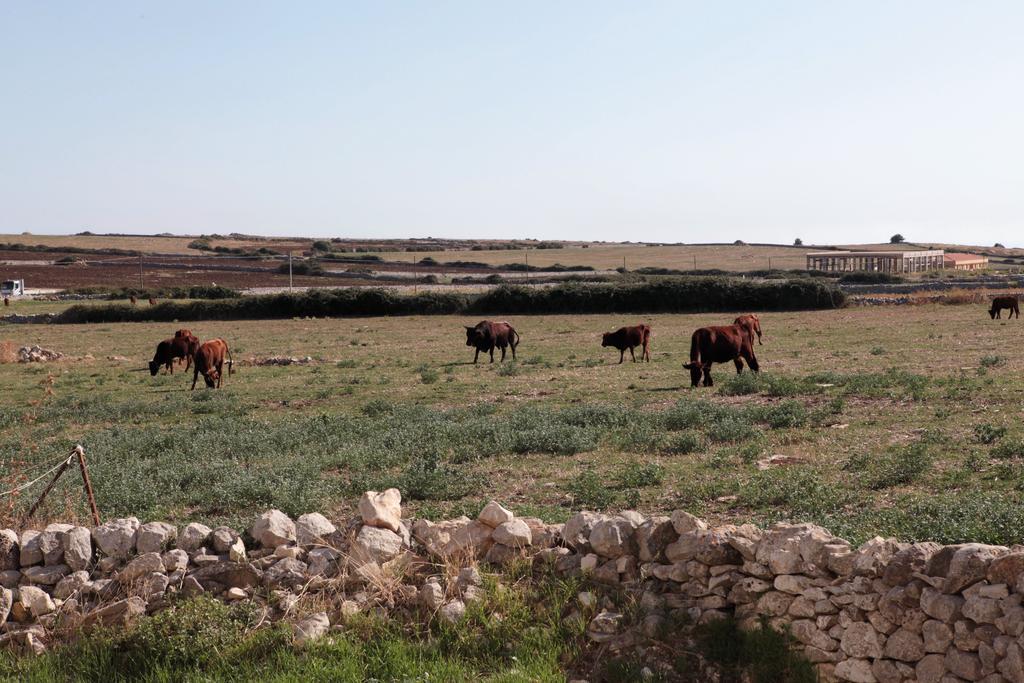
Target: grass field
902, 420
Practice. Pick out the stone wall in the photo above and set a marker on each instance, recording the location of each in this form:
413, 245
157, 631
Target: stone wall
885, 611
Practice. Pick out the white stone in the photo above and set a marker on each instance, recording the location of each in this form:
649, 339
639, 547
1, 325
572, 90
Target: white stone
116, 538
684, 523
855, 670
175, 560
494, 515
383, 509
514, 533
193, 537
273, 528
51, 543
142, 565
453, 611
313, 527
155, 537
236, 551
373, 544
311, 628
30, 551
78, 548
35, 600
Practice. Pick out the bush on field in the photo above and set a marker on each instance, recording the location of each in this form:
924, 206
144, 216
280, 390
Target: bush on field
668, 296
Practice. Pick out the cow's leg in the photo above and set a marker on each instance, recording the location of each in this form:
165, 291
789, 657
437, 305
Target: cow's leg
631, 354
195, 376
492, 354
220, 373
513, 347
476, 356
622, 355
647, 353
708, 382
739, 366
752, 361
502, 353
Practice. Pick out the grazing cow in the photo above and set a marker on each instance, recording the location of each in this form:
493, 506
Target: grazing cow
152, 301
719, 345
1001, 302
629, 338
193, 344
209, 361
133, 300
488, 334
752, 323
167, 351
7, 302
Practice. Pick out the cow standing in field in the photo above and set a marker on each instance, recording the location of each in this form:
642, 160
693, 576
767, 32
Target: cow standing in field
133, 300
209, 362
168, 350
719, 345
7, 302
488, 334
1001, 302
629, 338
193, 345
752, 323
152, 301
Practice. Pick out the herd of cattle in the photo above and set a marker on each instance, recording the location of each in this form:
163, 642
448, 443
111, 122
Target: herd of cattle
708, 345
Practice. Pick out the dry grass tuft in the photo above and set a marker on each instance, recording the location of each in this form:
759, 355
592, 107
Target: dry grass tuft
8, 352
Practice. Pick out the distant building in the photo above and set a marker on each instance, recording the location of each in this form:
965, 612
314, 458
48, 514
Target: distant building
876, 261
965, 261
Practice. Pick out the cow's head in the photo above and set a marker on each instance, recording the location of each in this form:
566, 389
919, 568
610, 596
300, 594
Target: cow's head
992, 312
472, 334
604, 339
154, 368
211, 378
696, 369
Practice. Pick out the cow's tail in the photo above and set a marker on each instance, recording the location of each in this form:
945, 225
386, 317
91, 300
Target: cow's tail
514, 340
231, 363
695, 347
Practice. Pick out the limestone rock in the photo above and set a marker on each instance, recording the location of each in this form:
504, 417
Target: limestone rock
970, 564
78, 548
10, 550
6, 602
232, 574
273, 528
685, 523
653, 536
382, 510
236, 551
222, 538
453, 611
1006, 568
431, 595
35, 600
144, 564
193, 537
120, 612
116, 538
612, 537
51, 543
903, 565
70, 585
175, 560
855, 670
374, 544
494, 515
323, 561
47, 575
30, 553
513, 533
312, 628
313, 527
966, 665
155, 537
904, 646
861, 641
576, 532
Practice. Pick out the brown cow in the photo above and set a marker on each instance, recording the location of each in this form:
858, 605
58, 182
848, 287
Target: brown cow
752, 323
133, 300
488, 334
7, 302
193, 344
209, 361
629, 338
719, 345
152, 301
1001, 302
167, 351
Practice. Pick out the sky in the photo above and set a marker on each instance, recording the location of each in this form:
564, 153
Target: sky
644, 121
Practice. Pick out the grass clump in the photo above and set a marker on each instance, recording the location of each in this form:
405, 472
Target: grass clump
988, 434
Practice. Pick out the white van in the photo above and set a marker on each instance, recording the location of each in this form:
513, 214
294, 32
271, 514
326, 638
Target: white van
12, 288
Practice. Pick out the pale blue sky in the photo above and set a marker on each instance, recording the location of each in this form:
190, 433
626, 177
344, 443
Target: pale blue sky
675, 121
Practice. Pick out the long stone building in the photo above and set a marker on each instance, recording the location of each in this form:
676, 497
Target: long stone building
876, 261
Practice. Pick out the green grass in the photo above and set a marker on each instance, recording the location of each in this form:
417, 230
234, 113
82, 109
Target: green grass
397, 402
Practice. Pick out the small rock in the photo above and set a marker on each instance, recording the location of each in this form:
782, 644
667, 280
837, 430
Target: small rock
155, 537
142, 565
514, 533
78, 548
382, 510
46, 575
193, 537
494, 515
222, 538
30, 552
273, 528
453, 611
175, 560
235, 594
236, 551
35, 600
431, 595
373, 544
313, 528
116, 538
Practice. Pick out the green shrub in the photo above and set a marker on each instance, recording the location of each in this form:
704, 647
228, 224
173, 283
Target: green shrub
638, 475
685, 442
740, 385
992, 361
1010, 448
988, 434
589, 490
732, 428
786, 415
